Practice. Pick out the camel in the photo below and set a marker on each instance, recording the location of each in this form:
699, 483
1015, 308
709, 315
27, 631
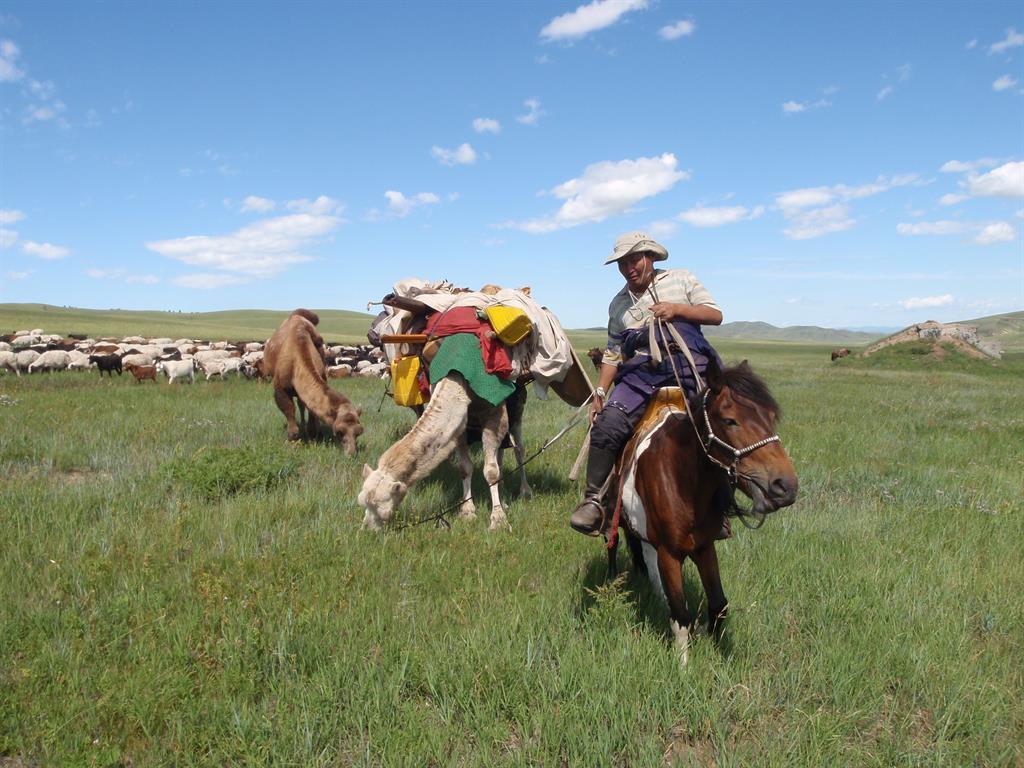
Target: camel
294, 360
442, 426
440, 430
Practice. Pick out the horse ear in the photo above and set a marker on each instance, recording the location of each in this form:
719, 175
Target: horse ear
367, 471
713, 373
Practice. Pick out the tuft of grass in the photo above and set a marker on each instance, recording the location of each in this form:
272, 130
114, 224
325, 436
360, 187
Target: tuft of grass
220, 472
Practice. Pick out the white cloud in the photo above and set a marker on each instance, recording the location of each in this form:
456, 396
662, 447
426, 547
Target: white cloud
10, 216
121, 274
676, 30
45, 250
957, 166
886, 90
804, 198
1004, 82
944, 227
816, 211
971, 44
464, 154
486, 125
322, 206
531, 117
205, 281
717, 217
808, 224
9, 70
1013, 39
589, 18
997, 232
16, 275
8, 237
45, 112
607, 189
1005, 181
263, 249
791, 107
258, 204
952, 198
927, 301
400, 205
903, 72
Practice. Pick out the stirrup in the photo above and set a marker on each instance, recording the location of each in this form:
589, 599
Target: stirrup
586, 522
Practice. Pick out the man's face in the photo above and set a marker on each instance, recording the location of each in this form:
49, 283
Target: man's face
638, 269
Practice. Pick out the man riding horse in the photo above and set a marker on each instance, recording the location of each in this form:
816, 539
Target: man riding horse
659, 296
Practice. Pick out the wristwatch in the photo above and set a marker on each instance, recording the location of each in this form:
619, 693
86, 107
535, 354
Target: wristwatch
599, 392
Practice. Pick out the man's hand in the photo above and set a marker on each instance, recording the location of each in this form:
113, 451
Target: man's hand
665, 310
595, 406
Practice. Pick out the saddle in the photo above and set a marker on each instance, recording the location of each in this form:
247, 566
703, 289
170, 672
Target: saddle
666, 400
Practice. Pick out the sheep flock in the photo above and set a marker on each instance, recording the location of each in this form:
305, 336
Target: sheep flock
177, 360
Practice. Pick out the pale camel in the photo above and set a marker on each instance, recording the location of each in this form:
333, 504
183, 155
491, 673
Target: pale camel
293, 359
440, 430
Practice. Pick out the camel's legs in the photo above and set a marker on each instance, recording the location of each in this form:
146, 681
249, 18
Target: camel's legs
495, 426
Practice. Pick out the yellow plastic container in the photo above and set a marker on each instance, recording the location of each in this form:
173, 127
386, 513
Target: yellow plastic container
510, 323
404, 372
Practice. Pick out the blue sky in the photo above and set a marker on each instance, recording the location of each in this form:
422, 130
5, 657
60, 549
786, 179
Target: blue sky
834, 164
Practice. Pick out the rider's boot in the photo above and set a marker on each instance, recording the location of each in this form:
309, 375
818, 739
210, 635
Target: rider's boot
589, 516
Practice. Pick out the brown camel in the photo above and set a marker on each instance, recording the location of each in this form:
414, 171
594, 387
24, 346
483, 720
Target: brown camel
294, 361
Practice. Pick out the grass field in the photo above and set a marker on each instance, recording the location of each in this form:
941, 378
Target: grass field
180, 587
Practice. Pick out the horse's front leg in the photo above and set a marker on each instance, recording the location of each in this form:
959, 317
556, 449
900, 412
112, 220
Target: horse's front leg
670, 569
467, 510
494, 428
707, 566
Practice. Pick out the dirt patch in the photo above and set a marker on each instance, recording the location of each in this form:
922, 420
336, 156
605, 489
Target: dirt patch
684, 748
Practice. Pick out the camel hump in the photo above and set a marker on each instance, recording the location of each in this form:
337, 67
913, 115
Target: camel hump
309, 314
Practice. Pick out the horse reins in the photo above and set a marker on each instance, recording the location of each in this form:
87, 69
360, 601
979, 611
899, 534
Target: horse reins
731, 469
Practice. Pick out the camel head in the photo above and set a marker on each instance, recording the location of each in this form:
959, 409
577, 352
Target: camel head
346, 428
380, 497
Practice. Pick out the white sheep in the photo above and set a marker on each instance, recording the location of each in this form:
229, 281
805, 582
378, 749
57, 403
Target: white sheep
51, 360
178, 369
25, 358
9, 361
79, 361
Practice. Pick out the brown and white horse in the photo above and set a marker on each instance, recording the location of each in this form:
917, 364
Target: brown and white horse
672, 470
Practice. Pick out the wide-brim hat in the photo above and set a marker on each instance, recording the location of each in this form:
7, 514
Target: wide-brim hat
637, 242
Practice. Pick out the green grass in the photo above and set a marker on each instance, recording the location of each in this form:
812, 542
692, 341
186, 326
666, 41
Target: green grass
152, 614
337, 326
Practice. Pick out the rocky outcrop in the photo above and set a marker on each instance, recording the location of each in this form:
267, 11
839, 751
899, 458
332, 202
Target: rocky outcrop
963, 337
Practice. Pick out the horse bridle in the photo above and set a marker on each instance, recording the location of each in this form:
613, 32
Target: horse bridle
737, 453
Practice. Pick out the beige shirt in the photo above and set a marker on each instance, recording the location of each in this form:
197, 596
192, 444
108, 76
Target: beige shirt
629, 310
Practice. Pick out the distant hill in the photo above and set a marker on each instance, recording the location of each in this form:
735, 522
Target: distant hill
350, 327
1006, 330
758, 331
336, 325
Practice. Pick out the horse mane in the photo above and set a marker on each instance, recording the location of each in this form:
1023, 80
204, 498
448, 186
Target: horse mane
742, 380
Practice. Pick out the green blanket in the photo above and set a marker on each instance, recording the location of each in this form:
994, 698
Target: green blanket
461, 352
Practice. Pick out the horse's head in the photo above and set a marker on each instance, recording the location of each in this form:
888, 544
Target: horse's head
741, 413
380, 496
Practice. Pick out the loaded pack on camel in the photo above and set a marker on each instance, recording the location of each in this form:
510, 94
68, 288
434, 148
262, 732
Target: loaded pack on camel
460, 357
294, 361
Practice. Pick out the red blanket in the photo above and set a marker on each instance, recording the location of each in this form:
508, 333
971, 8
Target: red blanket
465, 320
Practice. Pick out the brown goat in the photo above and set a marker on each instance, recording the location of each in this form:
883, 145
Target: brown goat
294, 360
141, 372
